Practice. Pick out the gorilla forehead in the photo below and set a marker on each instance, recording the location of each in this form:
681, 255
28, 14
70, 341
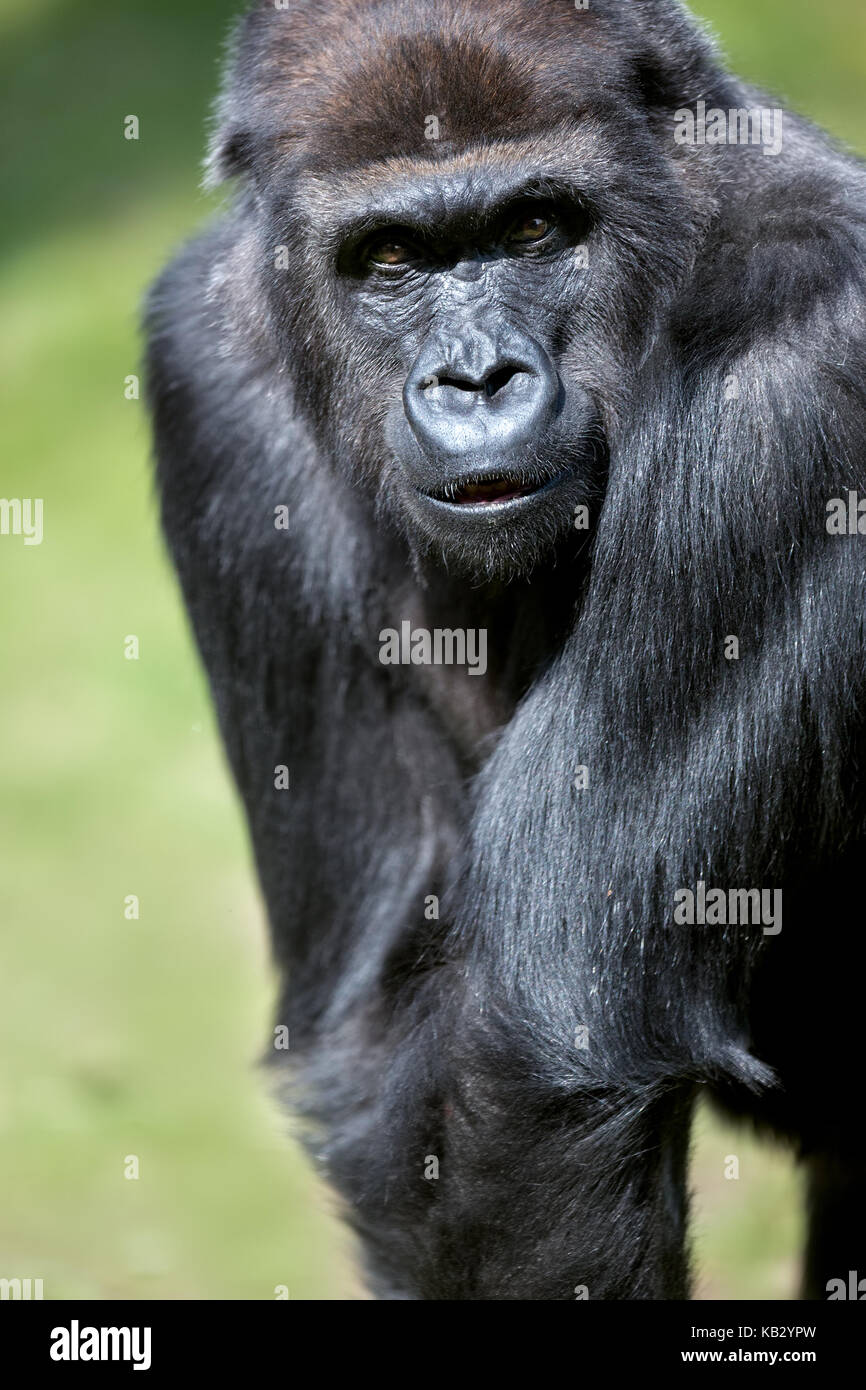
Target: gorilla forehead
354, 82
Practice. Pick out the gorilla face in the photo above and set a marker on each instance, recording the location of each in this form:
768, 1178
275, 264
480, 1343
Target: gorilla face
488, 441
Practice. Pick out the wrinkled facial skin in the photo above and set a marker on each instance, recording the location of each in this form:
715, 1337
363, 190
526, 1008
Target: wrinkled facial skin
451, 298
490, 445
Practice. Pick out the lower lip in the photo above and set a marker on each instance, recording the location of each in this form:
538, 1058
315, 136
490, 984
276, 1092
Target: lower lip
498, 506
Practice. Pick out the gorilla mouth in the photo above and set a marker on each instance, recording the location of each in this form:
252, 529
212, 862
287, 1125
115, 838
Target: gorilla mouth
486, 491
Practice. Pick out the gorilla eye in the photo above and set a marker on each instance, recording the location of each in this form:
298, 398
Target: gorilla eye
388, 251
528, 230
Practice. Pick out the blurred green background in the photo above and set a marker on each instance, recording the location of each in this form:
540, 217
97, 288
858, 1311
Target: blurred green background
140, 1037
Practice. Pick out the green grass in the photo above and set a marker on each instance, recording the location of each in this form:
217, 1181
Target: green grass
140, 1037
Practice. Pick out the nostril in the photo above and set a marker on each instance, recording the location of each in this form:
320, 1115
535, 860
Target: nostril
459, 384
499, 378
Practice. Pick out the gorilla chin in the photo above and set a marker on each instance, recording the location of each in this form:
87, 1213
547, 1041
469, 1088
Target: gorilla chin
497, 522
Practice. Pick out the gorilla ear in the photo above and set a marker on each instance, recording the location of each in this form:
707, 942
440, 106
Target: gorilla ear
676, 60
229, 156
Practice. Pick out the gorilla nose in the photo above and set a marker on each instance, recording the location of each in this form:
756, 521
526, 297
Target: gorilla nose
482, 395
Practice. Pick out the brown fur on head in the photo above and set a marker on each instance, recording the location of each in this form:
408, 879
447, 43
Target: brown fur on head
352, 82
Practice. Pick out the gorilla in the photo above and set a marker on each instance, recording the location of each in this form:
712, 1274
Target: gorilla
510, 432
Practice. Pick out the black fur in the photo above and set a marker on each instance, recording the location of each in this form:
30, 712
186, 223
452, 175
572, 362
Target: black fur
561, 1166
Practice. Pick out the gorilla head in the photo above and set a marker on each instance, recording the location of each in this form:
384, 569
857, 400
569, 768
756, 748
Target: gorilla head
465, 235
